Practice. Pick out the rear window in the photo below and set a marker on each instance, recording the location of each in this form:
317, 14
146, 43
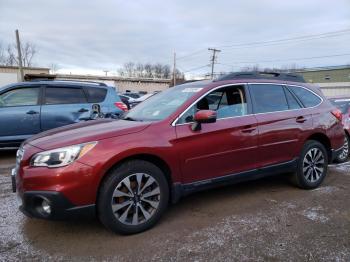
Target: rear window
96, 95
64, 95
308, 98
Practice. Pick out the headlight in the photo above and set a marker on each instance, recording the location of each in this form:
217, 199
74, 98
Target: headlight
61, 156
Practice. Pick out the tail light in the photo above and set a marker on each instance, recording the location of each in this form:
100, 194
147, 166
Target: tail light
121, 106
338, 114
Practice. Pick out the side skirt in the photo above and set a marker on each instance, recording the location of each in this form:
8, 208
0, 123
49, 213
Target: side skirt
179, 190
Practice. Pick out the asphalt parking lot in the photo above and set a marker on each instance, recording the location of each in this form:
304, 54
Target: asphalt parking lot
261, 220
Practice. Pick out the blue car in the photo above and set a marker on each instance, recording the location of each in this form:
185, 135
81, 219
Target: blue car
29, 108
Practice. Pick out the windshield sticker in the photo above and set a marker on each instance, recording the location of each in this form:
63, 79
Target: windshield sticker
156, 113
191, 90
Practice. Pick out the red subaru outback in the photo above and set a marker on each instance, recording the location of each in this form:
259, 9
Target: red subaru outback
190, 137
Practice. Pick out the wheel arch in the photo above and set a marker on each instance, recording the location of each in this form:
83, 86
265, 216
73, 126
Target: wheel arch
324, 140
154, 159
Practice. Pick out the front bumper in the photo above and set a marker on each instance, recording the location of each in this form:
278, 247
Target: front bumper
60, 207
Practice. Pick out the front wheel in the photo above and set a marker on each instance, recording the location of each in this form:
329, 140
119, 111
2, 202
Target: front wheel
344, 155
312, 165
133, 197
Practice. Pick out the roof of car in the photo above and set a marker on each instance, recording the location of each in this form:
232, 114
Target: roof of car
263, 76
57, 83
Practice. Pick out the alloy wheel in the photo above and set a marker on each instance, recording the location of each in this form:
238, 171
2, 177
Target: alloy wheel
313, 165
135, 199
345, 153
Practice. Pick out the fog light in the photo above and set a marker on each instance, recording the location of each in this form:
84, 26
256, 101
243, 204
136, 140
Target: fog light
46, 206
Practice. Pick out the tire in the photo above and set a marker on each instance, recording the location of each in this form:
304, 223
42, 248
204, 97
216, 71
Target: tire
344, 156
312, 165
132, 211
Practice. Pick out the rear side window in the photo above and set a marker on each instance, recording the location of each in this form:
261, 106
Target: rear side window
20, 97
96, 95
64, 95
268, 98
308, 98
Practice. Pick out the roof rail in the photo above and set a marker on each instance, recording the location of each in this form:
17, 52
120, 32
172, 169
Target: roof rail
263, 75
67, 80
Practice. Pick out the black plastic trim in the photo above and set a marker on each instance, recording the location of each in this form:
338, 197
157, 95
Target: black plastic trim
61, 207
179, 190
336, 153
263, 75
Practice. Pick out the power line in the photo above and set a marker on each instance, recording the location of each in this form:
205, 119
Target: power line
191, 54
283, 60
298, 38
196, 68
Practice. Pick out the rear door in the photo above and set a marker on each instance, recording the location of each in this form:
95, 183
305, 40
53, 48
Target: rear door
63, 105
282, 122
19, 113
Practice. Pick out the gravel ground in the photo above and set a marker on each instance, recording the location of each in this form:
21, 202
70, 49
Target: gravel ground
261, 220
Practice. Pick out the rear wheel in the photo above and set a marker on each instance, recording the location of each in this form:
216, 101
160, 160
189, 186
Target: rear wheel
133, 197
344, 156
312, 165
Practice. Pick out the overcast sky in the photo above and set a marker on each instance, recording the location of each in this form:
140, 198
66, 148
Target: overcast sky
91, 36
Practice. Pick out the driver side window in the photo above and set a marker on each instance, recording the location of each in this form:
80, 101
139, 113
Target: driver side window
227, 102
20, 97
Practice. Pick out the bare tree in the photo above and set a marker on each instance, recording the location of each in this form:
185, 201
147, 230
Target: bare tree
140, 68
2, 55
54, 67
8, 55
147, 70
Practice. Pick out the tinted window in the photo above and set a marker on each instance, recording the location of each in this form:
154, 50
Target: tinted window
64, 95
308, 98
20, 97
343, 104
227, 102
268, 98
96, 95
292, 102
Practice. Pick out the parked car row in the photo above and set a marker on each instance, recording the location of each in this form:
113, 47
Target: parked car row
343, 104
191, 137
29, 108
133, 99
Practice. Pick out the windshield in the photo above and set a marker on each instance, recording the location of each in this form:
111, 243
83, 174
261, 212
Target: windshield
343, 104
163, 104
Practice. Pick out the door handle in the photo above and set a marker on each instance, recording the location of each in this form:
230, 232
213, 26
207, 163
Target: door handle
300, 119
248, 129
32, 112
82, 110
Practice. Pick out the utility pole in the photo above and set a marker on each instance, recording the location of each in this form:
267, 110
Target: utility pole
174, 69
106, 72
19, 56
213, 60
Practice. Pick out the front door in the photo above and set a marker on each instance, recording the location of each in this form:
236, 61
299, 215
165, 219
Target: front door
19, 113
225, 147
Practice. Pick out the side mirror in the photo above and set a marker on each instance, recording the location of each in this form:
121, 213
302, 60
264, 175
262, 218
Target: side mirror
203, 117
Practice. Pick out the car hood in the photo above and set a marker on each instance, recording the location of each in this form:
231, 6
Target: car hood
85, 132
